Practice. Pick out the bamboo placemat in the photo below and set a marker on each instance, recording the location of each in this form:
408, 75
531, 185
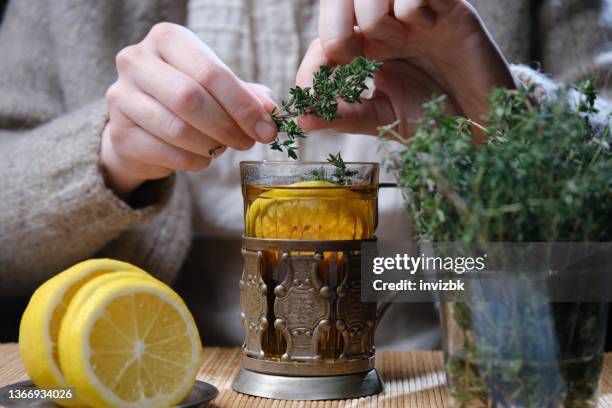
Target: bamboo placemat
412, 379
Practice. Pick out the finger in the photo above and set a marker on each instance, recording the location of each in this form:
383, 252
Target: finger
336, 30
138, 149
186, 98
260, 89
443, 6
184, 50
153, 117
415, 12
437, 6
383, 34
265, 95
370, 14
313, 59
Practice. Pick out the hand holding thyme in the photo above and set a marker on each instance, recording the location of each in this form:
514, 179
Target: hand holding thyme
345, 82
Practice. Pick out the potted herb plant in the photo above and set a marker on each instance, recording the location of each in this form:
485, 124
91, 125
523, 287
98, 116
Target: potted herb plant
543, 175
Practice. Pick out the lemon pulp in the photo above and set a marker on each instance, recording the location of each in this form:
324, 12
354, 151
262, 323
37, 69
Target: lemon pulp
311, 210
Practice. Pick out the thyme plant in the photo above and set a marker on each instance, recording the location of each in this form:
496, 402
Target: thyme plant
544, 174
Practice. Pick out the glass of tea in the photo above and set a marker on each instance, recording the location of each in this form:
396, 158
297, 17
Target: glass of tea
301, 285
300, 291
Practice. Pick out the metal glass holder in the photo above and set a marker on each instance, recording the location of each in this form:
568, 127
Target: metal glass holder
309, 337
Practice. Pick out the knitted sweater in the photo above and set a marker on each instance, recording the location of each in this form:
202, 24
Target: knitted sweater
58, 60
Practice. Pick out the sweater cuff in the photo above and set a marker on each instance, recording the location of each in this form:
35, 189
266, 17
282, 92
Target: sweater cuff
144, 202
547, 89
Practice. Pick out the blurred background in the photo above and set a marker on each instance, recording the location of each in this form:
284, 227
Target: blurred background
2, 6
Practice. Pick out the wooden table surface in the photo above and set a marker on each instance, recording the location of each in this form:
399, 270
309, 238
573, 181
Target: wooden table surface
412, 379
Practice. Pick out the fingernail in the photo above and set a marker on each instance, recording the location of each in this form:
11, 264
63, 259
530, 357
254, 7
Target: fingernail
265, 130
245, 143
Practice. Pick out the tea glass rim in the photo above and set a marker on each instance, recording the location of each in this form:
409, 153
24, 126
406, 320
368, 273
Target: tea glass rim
245, 162
369, 171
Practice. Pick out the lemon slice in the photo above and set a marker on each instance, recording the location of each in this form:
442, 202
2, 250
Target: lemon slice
40, 323
129, 342
310, 210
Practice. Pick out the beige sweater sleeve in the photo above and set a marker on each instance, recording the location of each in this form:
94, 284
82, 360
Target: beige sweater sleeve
55, 209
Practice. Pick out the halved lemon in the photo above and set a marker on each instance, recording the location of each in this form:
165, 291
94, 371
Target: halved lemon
40, 323
129, 342
310, 210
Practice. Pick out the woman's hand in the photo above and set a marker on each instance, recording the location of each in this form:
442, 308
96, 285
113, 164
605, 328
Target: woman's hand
175, 106
428, 47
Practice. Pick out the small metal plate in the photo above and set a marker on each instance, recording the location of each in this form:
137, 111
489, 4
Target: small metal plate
308, 388
200, 393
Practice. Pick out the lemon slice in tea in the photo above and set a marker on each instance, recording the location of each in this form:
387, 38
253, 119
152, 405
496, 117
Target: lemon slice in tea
310, 210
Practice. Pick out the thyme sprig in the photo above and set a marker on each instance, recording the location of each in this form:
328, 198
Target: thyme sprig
340, 176
330, 85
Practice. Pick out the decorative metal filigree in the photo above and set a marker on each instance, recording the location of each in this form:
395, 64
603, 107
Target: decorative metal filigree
253, 304
355, 320
302, 307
